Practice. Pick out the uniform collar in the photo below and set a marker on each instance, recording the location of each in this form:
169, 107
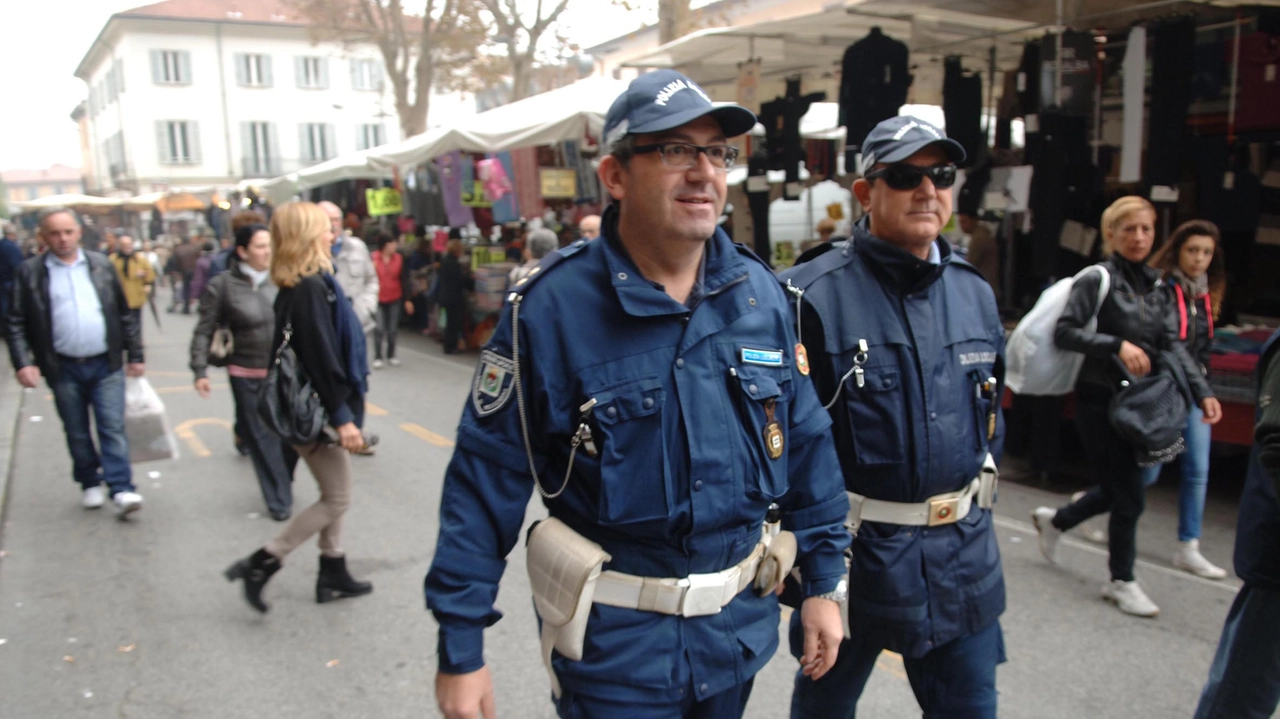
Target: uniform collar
721, 264
901, 270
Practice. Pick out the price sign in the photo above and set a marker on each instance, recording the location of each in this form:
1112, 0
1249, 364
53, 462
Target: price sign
558, 183
383, 201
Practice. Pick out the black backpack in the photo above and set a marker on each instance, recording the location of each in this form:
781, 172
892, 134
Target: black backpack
286, 402
1151, 413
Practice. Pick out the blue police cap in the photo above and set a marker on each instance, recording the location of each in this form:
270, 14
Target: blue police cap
898, 138
666, 99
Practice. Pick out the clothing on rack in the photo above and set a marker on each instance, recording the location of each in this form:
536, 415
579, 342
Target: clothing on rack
781, 120
873, 84
506, 209
962, 108
1079, 75
1135, 101
528, 183
758, 204
1172, 65
1257, 106
820, 159
1061, 188
452, 178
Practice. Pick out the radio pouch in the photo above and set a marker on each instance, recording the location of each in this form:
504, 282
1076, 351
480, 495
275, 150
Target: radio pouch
778, 559
563, 569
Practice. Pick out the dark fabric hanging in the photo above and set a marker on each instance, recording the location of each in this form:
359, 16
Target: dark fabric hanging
1172, 67
758, 203
1079, 75
1061, 188
962, 108
781, 120
1259, 83
873, 84
1027, 79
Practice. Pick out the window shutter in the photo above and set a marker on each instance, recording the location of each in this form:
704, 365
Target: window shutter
304, 143
193, 141
380, 134
273, 150
376, 74
162, 143
267, 79
184, 67
360, 138
120, 76
250, 163
323, 62
355, 75
242, 68
300, 72
330, 141
157, 67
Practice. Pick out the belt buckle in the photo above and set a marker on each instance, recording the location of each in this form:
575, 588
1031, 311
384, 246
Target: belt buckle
702, 593
944, 511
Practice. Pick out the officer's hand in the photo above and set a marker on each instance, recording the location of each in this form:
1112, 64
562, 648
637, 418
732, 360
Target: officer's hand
1134, 359
203, 388
823, 632
29, 376
1212, 410
466, 696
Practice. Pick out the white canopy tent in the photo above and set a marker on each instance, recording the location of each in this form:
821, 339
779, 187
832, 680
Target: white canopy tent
352, 166
72, 201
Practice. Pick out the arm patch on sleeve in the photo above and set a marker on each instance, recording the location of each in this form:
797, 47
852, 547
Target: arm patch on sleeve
493, 383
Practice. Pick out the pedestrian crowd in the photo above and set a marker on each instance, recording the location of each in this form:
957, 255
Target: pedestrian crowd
710, 440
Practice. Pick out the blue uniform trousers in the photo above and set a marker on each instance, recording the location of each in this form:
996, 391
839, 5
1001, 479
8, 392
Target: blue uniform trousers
1244, 680
728, 704
955, 681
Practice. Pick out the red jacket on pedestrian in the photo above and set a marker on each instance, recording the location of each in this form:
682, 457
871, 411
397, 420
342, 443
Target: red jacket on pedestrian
389, 288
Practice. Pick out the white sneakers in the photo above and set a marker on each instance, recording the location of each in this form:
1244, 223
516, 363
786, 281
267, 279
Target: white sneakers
94, 497
394, 362
1129, 598
127, 503
1189, 559
377, 364
1042, 517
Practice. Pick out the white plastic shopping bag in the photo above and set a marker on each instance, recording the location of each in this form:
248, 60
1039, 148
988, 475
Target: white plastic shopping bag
145, 423
1035, 365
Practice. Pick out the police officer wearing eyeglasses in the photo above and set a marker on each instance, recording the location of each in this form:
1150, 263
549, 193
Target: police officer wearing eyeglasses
907, 350
650, 393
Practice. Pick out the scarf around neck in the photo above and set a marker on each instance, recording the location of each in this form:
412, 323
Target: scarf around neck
1196, 287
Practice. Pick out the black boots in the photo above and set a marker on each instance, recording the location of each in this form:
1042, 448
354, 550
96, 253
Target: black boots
255, 570
335, 583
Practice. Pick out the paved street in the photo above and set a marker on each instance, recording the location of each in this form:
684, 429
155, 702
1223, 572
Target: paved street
100, 618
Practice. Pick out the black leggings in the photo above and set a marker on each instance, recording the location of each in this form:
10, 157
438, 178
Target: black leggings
1120, 489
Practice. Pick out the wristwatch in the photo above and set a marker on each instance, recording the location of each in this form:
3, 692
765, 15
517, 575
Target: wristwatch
839, 595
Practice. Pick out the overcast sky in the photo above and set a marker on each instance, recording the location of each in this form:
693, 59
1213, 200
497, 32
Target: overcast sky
43, 41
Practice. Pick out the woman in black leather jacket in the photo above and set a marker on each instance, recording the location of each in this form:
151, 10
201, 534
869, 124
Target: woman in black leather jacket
241, 299
1195, 278
1134, 321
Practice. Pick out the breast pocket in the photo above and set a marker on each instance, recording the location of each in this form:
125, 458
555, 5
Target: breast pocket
974, 364
764, 398
635, 485
877, 416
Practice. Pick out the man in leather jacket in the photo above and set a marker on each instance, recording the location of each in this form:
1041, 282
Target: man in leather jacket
70, 323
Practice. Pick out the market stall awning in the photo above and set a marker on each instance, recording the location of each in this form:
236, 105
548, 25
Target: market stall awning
79, 203
554, 116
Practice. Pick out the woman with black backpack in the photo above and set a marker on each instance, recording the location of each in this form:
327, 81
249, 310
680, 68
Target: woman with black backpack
1135, 322
314, 318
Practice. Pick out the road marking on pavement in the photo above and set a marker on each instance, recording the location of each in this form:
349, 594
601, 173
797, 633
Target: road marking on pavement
186, 432
426, 435
1227, 585
891, 662
374, 410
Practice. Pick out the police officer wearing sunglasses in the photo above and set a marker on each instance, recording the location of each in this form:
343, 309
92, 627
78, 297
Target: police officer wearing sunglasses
906, 350
646, 385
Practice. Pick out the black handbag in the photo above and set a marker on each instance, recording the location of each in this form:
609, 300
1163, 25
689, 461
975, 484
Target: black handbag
286, 402
1151, 413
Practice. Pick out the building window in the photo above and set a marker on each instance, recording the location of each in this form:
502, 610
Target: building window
178, 142
253, 70
171, 67
316, 141
368, 136
261, 149
59, 190
366, 75
117, 69
33, 193
311, 72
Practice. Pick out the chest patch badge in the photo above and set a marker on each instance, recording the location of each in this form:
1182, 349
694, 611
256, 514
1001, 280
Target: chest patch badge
492, 386
971, 358
768, 358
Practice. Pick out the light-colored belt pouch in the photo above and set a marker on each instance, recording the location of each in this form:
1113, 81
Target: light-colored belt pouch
778, 560
563, 569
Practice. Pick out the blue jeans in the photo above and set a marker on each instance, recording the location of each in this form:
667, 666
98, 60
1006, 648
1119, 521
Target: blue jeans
954, 681
1195, 475
728, 704
79, 386
1244, 680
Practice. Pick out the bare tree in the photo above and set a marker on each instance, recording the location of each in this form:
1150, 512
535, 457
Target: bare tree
674, 20
518, 37
419, 50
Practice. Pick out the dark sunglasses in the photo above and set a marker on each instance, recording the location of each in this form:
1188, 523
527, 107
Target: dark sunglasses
909, 177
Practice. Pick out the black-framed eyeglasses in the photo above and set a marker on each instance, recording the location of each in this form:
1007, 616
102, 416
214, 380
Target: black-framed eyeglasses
684, 155
909, 177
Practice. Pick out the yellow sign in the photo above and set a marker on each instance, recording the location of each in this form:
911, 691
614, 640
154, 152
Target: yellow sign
784, 254
476, 197
383, 201
487, 255
835, 211
558, 183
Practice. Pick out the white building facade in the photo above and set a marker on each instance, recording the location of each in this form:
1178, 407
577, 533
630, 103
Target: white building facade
179, 98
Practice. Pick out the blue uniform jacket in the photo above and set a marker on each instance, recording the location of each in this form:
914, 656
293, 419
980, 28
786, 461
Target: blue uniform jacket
682, 481
916, 427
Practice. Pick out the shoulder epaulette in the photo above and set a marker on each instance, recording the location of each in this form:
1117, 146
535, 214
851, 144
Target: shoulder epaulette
751, 254
550, 261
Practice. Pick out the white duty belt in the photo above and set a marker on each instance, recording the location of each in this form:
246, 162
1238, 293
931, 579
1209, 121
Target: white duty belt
696, 595
935, 511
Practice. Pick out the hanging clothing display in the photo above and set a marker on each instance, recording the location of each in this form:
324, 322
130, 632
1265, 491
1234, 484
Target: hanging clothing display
781, 120
758, 203
873, 84
426, 196
1027, 79
494, 177
1078, 73
1172, 64
506, 209
820, 159
528, 183
1228, 192
1006, 111
451, 179
1060, 187
1257, 106
1135, 82
962, 108
587, 180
